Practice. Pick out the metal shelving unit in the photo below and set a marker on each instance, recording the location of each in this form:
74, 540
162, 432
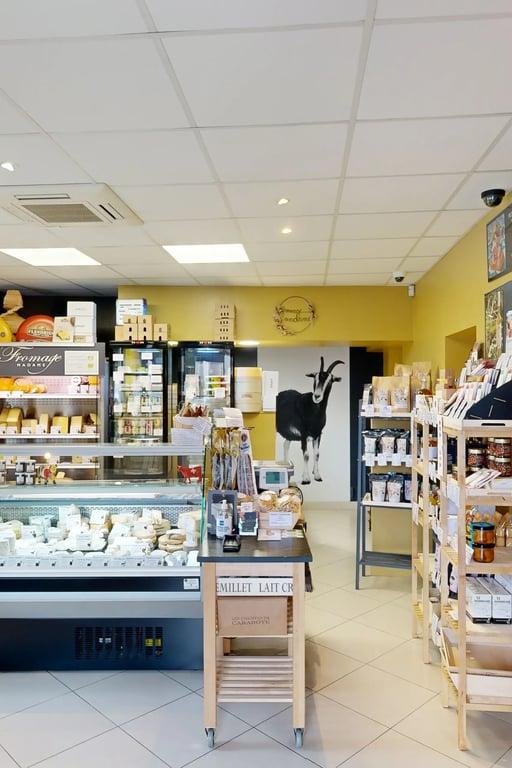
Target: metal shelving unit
367, 557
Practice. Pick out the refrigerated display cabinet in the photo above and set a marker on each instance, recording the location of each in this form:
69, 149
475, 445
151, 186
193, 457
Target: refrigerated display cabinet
205, 373
77, 592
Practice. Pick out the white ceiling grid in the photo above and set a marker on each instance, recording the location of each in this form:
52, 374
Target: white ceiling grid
377, 119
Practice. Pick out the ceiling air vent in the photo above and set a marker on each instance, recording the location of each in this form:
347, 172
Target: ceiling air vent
74, 204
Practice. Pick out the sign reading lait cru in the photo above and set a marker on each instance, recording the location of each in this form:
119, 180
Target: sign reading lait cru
294, 315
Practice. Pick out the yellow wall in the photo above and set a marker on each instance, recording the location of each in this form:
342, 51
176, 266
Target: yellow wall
450, 298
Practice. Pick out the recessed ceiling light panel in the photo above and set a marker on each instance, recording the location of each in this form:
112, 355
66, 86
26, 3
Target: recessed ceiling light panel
210, 253
8, 166
283, 201
286, 231
51, 257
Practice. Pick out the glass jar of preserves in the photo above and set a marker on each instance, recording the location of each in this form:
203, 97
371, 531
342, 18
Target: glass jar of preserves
502, 447
483, 553
483, 533
476, 458
503, 466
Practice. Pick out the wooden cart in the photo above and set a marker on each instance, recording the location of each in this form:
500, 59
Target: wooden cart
272, 678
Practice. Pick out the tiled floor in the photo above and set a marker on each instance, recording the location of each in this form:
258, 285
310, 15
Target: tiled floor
371, 702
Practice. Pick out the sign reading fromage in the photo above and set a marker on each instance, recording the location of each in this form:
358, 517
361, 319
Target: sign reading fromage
48, 361
294, 315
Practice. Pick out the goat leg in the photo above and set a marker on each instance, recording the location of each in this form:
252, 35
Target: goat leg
306, 479
316, 456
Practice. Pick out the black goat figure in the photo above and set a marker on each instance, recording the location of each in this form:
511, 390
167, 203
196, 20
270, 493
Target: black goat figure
302, 416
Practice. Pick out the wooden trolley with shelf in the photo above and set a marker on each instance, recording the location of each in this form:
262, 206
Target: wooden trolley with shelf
233, 678
476, 657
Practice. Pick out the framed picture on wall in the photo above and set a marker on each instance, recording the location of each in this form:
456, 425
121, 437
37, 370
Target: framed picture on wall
499, 244
494, 322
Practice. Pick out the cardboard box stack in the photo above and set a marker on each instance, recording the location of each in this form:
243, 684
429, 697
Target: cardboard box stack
224, 322
141, 328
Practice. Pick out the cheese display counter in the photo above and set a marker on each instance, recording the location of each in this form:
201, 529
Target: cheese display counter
101, 573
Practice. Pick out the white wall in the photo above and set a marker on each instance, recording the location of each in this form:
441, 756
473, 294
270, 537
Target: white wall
293, 363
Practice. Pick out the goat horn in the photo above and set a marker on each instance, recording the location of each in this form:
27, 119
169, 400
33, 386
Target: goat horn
321, 364
332, 365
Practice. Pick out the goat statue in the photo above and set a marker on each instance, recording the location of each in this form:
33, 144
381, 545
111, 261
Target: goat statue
302, 416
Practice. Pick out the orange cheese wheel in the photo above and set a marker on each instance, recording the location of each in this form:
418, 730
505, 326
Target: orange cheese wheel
36, 328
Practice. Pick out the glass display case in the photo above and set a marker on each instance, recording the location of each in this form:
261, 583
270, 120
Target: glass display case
138, 405
205, 373
103, 572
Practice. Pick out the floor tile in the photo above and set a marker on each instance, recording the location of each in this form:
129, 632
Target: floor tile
6, 761
326, 554
19, 690
389, 618
114, 748
489, 738
358, 642
75, 680
405, 601
337, 574
251, 750
131, 694
254, 714
407, 661
53, 726
324, 666
382, 589
319, 588
333, 733
346, 604
504, 762
176, 732
192, 679
393, 749
378, 695
317, 621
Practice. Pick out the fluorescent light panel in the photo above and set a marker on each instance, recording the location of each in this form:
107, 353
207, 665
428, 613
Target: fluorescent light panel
51, 257
210, 253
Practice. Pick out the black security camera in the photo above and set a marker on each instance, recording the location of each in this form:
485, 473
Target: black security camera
492, 197
398, 277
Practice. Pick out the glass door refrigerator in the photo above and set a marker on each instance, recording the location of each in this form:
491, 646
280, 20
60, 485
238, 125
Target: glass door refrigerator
138, 404
205, 373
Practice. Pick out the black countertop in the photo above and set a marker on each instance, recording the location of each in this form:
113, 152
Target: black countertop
289, 550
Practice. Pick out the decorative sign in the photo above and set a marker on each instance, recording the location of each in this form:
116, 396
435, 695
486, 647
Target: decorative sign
294, 315
81, 362
235, 585
39, 360
499, 244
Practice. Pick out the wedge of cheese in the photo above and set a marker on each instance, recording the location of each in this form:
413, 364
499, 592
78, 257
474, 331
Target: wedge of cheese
14, 418
44, 422
76, 424
62, 422
29, 424
3, 415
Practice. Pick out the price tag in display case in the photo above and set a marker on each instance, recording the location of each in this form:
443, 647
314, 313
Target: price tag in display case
384, 410
369, 459
2, 429
381, 460
397, 459
40, 430
408, 460
369, 410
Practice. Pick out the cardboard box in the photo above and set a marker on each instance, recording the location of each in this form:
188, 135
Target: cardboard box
160, 332
81, 309
144, 332
121, 333
63, 330
225, 310
145, 320
224, 329
250, 616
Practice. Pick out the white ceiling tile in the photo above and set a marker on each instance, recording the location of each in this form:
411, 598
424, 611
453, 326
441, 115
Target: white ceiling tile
500, 157
429, 70
140, 157
91, 85
287, 251
292, 280
359, 266
167, 270
17, 270
95, 235
394, 9
298, 268
166, 281
410, 279
118, 257
279, 152
433, 246
12, 119
8, 218
398, 193
306, 198
377, 225
222, 270
226, 280
303, 228
372, 249
189, 232
454, 223
83, 274
48, 285
28, 236
38, 160
468, 197
379, 278
180, 201
269, 77
238, 14
24, 19
419, 264
421, 146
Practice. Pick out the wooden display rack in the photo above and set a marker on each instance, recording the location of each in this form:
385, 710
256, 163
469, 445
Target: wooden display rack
254, 679
476, 658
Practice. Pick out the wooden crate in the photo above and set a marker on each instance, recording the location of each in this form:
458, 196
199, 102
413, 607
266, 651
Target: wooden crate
224, 329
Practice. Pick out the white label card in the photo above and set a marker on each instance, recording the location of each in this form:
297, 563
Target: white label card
396, 459
146, 355
40, 430
190, 583
280, 519
408, 461
55, 430
370, 410
117, 357
381, 460
369, 459
81, 362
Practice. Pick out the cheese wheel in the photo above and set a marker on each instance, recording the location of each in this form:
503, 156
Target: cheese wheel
35, 328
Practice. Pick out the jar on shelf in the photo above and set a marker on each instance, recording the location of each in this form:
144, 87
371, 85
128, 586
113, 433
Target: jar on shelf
476, 458
502, 447
490, 446
503, 466
483, 537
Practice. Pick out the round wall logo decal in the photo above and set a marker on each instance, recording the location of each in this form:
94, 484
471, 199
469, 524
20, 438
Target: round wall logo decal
294, 315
